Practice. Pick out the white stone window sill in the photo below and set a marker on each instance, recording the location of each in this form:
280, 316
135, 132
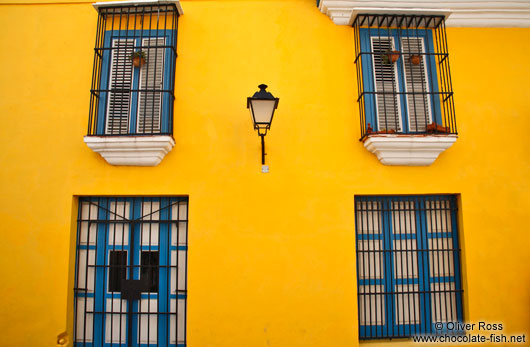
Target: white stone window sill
408, 150
131, 150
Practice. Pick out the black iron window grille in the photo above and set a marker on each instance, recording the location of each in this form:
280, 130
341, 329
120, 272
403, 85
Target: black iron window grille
133, 79
403, 75
130, 281
408, 265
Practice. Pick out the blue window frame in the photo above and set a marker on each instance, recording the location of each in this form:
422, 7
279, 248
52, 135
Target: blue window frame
115, 238
126, 107
408, 265
402, 96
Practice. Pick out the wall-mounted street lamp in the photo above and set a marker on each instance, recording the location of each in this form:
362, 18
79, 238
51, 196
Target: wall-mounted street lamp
262, 105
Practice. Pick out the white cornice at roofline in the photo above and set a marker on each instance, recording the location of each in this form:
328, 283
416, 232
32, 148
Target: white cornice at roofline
458, 13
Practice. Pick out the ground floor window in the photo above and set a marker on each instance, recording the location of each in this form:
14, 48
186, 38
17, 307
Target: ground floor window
408, 265
130, 282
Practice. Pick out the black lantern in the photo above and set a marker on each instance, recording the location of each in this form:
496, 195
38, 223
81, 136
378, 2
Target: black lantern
262, 105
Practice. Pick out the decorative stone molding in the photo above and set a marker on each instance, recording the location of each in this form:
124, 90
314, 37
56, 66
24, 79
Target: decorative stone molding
408, 150
131, 150
97, 5
458, 13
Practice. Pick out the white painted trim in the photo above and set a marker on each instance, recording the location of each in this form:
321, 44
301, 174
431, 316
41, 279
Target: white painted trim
471, 13
408, 150
97, 5
131, 150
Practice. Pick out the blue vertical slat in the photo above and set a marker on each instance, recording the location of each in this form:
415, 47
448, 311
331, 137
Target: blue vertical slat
164, 273
368, 79
389, 265
425, 303
134, 95
135, 249
456, 259
400, 83
431, 66
99, 295
105, 78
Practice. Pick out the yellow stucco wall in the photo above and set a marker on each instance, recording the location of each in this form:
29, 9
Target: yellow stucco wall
271, 256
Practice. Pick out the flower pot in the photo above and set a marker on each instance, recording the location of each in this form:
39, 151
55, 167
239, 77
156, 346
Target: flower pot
393, 56
415, 59
138, 61
436, 128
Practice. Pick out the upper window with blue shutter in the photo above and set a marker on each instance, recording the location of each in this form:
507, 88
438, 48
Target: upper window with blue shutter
405, 93
136, 99
132, 93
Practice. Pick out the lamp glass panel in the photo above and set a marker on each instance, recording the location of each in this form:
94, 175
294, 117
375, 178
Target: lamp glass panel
263, 110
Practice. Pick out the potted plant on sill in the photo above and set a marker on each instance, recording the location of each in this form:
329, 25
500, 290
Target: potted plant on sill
370, 130
390, 57
437, 128
415, 59
138, 58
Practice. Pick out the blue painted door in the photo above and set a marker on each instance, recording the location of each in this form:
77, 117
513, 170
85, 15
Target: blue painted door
131, 272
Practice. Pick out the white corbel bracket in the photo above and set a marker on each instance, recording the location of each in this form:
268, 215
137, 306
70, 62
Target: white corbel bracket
408, 150
131, 150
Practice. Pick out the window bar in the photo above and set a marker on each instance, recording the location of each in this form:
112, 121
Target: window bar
128, 15
450, 256
131, 269
409, 255
86, 281
436, 208
382, 77
110, 267
163, 95
457, 257
423, 275
77, 251
387, 247
169, 269
106, 216
107, 89
376, 254
360, 81
121, 51
448, 295
137, 92
149, 267
413, 82
411, 218
140, 217
93, 100
154, 95
360, 270
449, 81
395, 81
372, 290
125, 230
96, 297
442, 77
424, 62
177, 275
358, 57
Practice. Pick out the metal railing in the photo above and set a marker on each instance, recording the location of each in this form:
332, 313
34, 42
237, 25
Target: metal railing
133, 79
403, 75
131, 273
408, 265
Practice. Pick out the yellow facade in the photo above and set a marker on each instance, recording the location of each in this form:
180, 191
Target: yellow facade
271, 256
